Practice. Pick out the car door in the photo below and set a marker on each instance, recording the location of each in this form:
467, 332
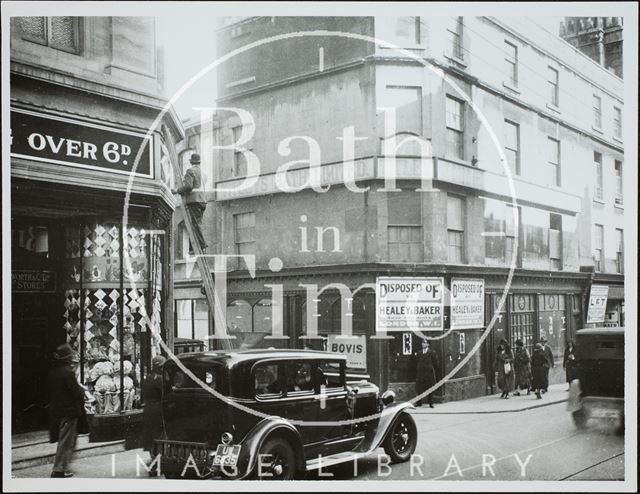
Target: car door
300, 400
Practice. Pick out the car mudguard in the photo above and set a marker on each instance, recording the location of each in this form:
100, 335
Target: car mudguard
251, 443
375, 435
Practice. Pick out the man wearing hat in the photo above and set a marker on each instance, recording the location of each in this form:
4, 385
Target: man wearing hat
548, 354
67, 404
192, 192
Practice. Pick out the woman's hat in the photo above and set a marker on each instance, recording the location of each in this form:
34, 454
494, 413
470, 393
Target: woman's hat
519, 342
65, 353
504, 342
157, 361
194, 159
538, 346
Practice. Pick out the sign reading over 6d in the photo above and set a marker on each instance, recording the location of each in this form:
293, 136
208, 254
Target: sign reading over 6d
404, 303
62, 141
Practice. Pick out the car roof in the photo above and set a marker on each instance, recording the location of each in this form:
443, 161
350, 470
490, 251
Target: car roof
601, 331
232, 357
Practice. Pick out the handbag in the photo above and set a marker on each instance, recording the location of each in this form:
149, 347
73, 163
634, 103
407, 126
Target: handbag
83, 426
507, 368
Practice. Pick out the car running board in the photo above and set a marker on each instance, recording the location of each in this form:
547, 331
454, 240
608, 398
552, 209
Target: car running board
335, 459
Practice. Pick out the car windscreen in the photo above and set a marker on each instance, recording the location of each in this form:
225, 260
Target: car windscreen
211, 374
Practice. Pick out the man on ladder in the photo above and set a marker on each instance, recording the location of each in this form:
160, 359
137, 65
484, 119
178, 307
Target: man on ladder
192, 192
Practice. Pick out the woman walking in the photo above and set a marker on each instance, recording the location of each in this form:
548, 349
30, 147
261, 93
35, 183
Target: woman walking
522, 364
504, 365
569, 362
152, 415
539, 367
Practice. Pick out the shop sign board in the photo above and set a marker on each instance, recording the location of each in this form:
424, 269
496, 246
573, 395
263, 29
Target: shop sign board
63, 141
25, 281
407, 303
467, 303
353, 347
597, 303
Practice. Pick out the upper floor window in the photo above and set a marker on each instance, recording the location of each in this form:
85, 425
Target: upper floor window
455, 127
617, 166
244, 233
555, 240
597, 111
553, 161
407, 101
455, 228
554, 86
401, 31
599, 189
454, 34
239, 160
619, 250
405, 226
511, 59
512, 146
617, 122
61, 33
598, 251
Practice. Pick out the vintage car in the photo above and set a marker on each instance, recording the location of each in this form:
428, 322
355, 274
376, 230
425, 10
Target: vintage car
279, 414
598, 392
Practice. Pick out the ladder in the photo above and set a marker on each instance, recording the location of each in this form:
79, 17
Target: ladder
213, 300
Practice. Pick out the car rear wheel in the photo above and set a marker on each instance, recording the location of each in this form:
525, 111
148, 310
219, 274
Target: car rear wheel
402, 439
276, 460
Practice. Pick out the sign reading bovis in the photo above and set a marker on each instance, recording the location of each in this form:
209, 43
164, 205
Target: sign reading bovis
354, 347
404, 303
63, 141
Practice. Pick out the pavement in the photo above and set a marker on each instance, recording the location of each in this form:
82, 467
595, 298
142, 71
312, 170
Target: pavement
494, 404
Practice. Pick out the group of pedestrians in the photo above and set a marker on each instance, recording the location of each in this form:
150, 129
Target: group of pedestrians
519, 371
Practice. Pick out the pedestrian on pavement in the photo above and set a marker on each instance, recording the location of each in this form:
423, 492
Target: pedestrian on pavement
66, 406
426, 369
522, 364
152, 414
504, 365
548, 354
192, 192
539, 369
569, 362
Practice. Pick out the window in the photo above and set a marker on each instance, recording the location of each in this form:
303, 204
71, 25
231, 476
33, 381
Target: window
192, 320
619, 251
267, 380
401, 31
617, 122
553, 86
553, 161
617, 165
511, 60
239, 316
183, 242
455, 228
244, 229
262, 313
299, 378
60, 33
599, 189
598, 251
512, 146
512, 226
455, 127
405, 226
555, 241
239, 161
597, 111
407, 101
454, 34
184, 319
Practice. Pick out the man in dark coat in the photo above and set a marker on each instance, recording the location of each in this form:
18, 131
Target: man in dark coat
539, 369
569, 362
548, 354
152, 414
192, 192
66, 406
426, 369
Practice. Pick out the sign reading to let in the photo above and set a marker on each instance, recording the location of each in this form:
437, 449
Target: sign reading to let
63, 141
467, 303
33, 281
409, 303
597, 303
354, 347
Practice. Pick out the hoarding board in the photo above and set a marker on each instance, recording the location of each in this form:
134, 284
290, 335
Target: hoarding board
467, 303
407, 303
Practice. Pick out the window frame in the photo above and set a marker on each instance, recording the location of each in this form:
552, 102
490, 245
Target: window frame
617, 122
236, 242
47, 41
617, 172
597, 112
558, 179
459, 233
598, 247
508, 123
455, 48
512, 61
620, 250
458, 132
554, 85
598, 192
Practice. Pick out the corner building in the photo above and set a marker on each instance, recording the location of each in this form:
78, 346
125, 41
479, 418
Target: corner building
91, 234
532, 91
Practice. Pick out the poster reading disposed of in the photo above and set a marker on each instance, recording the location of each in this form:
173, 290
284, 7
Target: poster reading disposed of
467, 303
406, 303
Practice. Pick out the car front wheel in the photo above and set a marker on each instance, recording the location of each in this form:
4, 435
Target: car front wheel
402, 439
276, 460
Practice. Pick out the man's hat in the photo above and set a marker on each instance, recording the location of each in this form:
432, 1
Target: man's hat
543, 339
195, 159
66, 353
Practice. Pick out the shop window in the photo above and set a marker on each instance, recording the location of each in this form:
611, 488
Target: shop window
239, 316
262, 313
201, 321
407, 101
554, 93
619, 251
597, 111
60, 33
184, 319
511, 60
454, 127
617, 166
512, 146
455, 229
405, 226
555, 240
553, 161
454, 35
522, 323
598, 251
31, 238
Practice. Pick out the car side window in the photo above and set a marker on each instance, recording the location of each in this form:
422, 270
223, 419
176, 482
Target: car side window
331, 375
266, 380
299, 377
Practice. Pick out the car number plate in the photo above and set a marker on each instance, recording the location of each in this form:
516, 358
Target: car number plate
226, 455
605, 413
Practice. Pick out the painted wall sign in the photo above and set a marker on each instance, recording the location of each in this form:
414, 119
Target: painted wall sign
354, 347
404, 303
597, 303
64, 141
23, 281
467, 303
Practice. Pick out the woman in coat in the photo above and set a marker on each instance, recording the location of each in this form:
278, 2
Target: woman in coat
152, 414
539, 368
504, 366
426, 365
522, 364
569, 362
